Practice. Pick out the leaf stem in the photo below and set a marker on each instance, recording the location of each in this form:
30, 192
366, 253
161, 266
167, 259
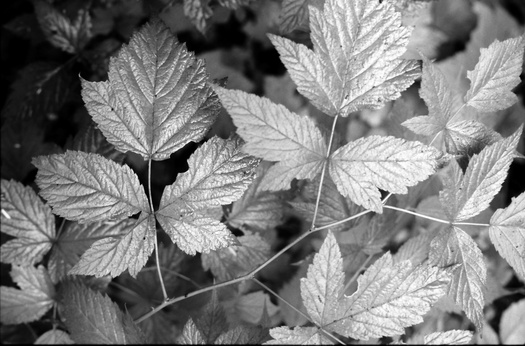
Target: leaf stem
323, 171
471, 224
417, 214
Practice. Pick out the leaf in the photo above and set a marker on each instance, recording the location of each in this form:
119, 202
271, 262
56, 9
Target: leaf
274, 133
356, 59
235, 261
512, 330
507, 233
453, 247
249, 308
294, 14
29, 220
92, 318
390, 297
212, 321
361, 167
113, 255
60, 31
157, 96
190, 335
243, 335
198, 11
451, 337
495, 75
218, 174
288, 292
257, 209
35, 298
54, 337
323, 285
88, 187
75, 239
482, 180
297, 336
93, 141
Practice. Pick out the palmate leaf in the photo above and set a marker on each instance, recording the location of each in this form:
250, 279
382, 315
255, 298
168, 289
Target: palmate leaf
466, 196
452, 246
361, 167
75, 239
29, 220
88, 187
218, 174
32, 301
495, 75
507, 233
113, 255
274, 133
156, 98
356, 59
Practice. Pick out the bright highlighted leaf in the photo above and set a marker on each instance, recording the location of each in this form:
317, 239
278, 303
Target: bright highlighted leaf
451, 337
356, 59
113, 255
156, 98
390, 297
76, 238
88, 187
362, 167
218, 174
274, 133
467, 196
29, 220
452, 246
495, 75
92, 318
190, 335
297, 336
35, 298
507, 233
54, 337
322, 288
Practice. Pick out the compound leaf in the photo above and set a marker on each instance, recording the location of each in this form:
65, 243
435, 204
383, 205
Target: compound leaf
75, 239
274, 133
390, 297
92, 318
157, 96
29, 220
361, 167
507, 233
356, 59
88, 187
452, 246
297, 336
35, 298
113, 255
236, 260
495, 75
482, 180
323, 285
218, 173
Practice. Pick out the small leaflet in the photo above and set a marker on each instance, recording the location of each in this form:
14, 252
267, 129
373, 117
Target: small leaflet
453, 247
32, 301
60, 31
482, 180
294, 14
113, 255
297, 336
362, 167
212, 321
156, 98
190, 335
507, 233
237, 260
356, 61
54, 337
512, 329
76, 238
274, 133
258, 209
92, 318
495, 75
218, 174
29, 220
87, 187
390, 297
322, 288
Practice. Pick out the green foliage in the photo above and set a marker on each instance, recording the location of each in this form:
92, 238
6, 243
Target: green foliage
183, 211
